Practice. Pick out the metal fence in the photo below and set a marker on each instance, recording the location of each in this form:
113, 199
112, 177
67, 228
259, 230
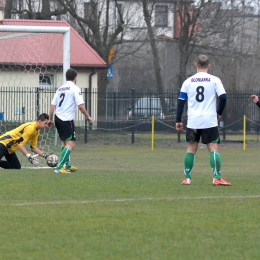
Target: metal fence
120, 104
129, 103
27, 103
126, 111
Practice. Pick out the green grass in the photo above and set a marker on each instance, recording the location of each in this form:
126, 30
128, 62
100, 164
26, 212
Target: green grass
128, 203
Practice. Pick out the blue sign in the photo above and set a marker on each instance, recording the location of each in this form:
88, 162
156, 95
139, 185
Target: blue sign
110, 72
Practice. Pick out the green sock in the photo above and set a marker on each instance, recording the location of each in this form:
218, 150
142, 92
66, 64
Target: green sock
215, 164
64, 157
189, 160
68, 165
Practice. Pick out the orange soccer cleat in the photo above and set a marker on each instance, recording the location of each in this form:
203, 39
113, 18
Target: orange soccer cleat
186, 181
220, 182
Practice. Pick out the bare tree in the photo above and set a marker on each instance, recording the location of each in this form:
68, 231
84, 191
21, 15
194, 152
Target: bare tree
100, 22
44, 10
147, 17
8, 9
186, 30
229, 33
106, 26
94, 22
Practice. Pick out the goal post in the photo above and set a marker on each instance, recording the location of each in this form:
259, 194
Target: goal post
28, 80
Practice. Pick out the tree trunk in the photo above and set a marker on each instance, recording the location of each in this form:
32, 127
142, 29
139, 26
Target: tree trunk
183, 63
156, 63
8, 9
46, 15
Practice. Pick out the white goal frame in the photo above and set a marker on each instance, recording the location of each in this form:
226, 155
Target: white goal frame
66, 49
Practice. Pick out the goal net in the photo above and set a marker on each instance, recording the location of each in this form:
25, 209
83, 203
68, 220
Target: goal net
33, 62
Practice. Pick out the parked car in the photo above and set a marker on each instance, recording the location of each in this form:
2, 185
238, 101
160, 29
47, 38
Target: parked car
147, 107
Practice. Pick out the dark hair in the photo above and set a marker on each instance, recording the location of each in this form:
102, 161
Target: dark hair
71, 74
43, 117
203, 61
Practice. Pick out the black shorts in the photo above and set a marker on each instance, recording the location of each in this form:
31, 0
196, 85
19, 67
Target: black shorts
66, 129
12, 161
207, 135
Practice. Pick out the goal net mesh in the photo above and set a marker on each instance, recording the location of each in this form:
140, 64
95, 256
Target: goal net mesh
30, 71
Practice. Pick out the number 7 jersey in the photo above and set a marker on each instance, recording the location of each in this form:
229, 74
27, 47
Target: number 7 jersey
200, 91
66, 99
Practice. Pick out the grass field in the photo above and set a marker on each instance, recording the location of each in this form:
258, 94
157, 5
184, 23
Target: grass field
128, 203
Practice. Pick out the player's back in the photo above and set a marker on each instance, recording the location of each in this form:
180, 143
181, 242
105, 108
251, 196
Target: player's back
201, 90
20, 135
65, 101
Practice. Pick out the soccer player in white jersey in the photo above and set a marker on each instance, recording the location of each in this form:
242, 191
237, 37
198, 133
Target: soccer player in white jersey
200, 91
65, 102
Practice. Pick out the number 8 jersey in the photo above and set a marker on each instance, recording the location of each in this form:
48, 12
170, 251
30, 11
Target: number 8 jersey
200, 90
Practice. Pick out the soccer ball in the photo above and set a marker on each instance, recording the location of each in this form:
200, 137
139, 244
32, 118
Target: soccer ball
52, 160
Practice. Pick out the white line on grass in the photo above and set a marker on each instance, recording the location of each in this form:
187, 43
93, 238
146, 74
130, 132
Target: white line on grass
130, 200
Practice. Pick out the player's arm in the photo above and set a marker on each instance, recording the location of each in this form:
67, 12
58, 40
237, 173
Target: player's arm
81, 105
85, 113
29, 136
31, 158
51, 113
35, 149
221, 105
22, 149
181, 102
38, 151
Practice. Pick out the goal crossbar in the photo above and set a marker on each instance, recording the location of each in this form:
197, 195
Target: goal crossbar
36, 29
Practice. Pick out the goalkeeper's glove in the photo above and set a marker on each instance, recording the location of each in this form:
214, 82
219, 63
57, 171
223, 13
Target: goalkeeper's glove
32, 159
45, 155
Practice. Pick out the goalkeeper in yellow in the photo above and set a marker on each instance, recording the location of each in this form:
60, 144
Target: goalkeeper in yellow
16, 139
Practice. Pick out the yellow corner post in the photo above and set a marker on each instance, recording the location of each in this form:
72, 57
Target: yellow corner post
152, 133
244, 133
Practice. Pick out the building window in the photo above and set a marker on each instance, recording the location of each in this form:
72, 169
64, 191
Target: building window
161, 16
46, 81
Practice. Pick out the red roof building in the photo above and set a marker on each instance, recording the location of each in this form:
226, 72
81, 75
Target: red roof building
35, 60
82, 55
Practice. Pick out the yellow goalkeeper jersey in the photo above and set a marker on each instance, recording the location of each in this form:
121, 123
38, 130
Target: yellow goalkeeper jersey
20, 136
